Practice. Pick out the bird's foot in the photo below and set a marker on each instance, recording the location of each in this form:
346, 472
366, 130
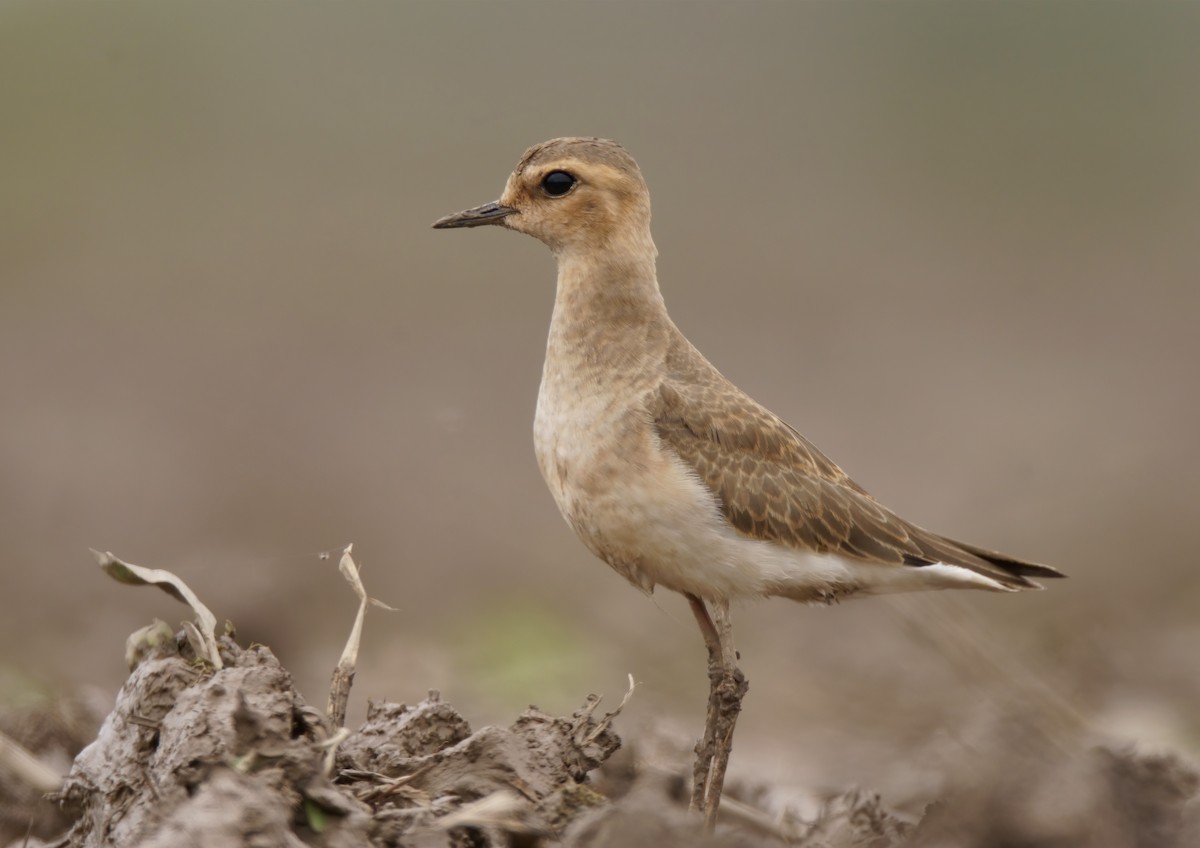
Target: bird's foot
727, 687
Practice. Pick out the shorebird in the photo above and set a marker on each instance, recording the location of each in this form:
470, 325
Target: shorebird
670, 473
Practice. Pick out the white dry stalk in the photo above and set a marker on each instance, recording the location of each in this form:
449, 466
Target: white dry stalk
501, 809
136, 575
350, 570
330, 747
343, 674
28, 768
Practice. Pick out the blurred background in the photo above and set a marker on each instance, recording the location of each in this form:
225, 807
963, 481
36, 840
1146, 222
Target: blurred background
955, 245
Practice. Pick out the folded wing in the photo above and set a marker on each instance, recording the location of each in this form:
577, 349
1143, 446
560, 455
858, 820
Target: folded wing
774, 485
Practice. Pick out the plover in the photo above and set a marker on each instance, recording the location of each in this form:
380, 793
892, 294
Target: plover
670, 473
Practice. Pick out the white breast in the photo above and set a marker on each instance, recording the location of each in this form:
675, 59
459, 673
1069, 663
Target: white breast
638, 507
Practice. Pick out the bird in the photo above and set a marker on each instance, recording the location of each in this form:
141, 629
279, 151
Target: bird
669, 472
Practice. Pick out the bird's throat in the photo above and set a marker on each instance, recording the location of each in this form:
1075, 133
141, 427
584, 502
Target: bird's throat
609, 317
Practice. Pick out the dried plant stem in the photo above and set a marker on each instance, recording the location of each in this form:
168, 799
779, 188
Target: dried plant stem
16, 758
339, 693
343, 674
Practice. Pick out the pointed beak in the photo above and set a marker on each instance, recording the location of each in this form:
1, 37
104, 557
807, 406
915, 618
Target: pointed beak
488, 213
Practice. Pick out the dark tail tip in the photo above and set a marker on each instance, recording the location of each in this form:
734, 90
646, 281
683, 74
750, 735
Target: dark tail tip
1018, 567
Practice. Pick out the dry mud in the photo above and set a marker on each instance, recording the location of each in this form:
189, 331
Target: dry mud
195, 756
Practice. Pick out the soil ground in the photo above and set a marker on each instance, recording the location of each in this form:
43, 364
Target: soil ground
194, 755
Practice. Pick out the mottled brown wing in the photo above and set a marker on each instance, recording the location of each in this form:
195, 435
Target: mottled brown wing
775, 485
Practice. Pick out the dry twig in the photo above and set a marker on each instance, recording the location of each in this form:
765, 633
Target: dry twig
343, 674
25, 765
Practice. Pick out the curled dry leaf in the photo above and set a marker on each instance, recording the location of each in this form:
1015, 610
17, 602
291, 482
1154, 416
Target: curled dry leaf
136, 575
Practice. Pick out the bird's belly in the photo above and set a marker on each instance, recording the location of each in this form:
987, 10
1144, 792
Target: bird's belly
640, 510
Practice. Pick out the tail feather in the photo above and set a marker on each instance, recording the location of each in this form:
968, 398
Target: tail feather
1017, 568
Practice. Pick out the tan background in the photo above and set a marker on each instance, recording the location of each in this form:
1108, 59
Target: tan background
955, 245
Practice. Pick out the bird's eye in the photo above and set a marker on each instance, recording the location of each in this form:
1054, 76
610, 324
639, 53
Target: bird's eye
557, 183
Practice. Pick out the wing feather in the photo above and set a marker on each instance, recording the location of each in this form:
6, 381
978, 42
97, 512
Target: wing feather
773, 484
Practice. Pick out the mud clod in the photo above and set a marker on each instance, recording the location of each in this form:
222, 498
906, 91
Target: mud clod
193, 755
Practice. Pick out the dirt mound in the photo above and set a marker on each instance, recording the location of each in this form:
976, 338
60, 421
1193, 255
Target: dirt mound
197, 756
210, 744
200, 756
194, 755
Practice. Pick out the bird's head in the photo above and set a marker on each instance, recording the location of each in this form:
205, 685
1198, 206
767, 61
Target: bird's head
573, 194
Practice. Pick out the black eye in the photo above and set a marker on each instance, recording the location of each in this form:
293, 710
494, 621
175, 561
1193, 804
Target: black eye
557, 183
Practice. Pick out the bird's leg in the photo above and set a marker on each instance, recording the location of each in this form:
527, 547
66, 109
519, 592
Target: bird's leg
706, 746
727, 687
